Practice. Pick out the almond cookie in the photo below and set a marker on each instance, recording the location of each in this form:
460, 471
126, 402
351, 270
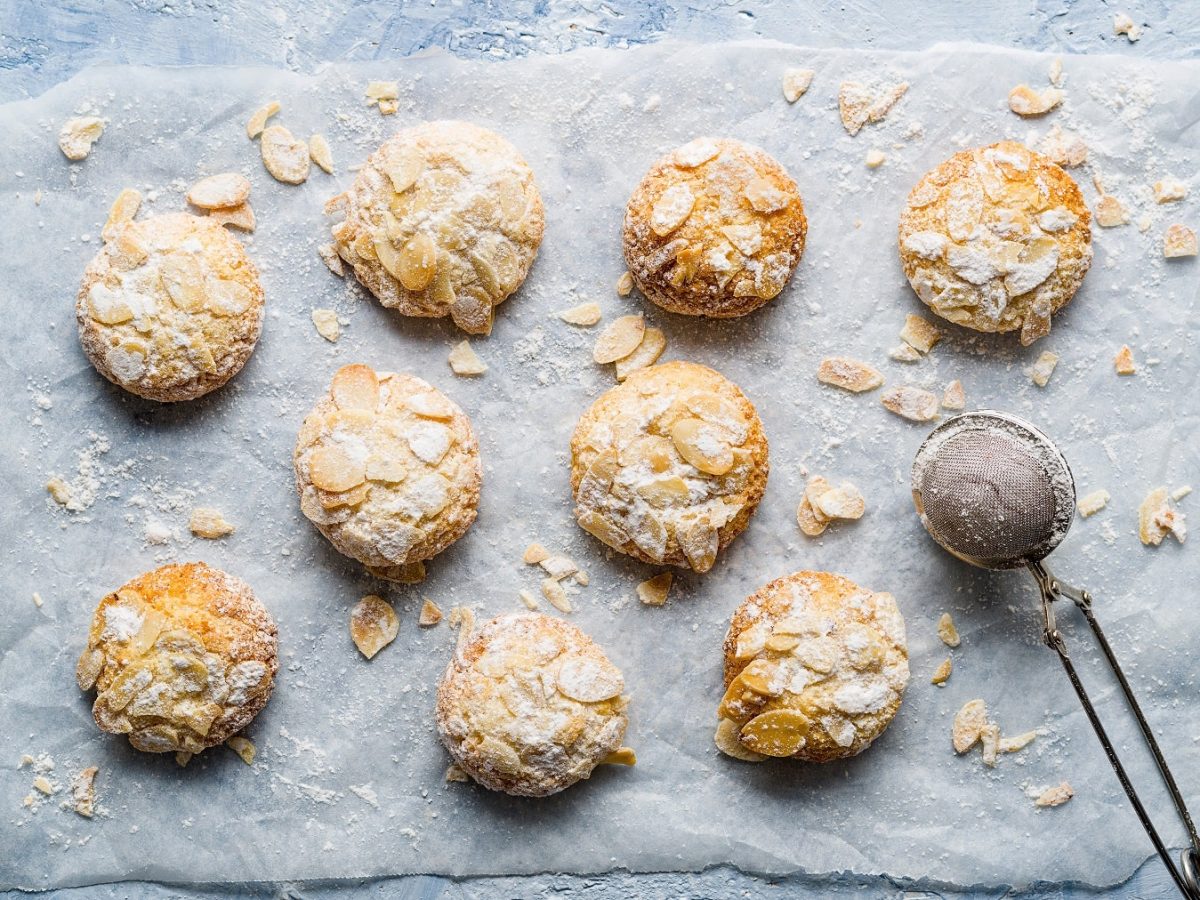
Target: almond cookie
181, 658
815, 668
444, 219
171, 308
529, 705
715, 228
670, 465
996, 238
387, 467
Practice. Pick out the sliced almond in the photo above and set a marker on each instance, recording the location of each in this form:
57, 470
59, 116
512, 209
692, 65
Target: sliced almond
954, 397
417, 262
219, 191
1055, 796
796, 83
83, 792
919, 333
333, 262
258, 121
528, 599
763, 196
240, 217
1122, 24
844, 502
327, 325
373, 625
861, 104
319, 152
1179, 241
912, 403
811, 520
777, 732
1168, 190
1124, 361
622, 756
653, 591
942, 673
534, 554
1025, 101
243, 747
1109, 212
382, 90
589, 680
969, 723
357, 387
989, 737
1043, 368
671, 209
556, 594
625, 284
77, 136
430, 613
702, 445
619, 339
454, 772
947, 632
585, 315
849, 374
653, 343
1150, 530
207, 522
121, 213
1092, 503
558, 566
699, 543
727, 742
285, 157
465, 361
1018, 742
330, 469
905, 353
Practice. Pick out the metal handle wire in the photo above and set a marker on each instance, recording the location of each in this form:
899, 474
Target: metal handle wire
1187, 878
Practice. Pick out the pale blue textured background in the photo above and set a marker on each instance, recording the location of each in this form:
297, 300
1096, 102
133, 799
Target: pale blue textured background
42, 43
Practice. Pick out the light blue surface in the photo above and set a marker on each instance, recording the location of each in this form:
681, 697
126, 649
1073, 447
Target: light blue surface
43, 43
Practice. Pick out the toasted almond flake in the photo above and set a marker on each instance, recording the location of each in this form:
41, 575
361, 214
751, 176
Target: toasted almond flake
464, 361
912, 403
283, 156
83, 792
1179, 240
243, 747
319, 152
556, 594
796, 83
373, 625
528, 599
182, 758
727, 742
625, 284
207, 522
1168, 190
558, 566
430, 614
258, 121
703, 445
969, 723
849, 374
327, 325
581, 578
619, 339
874, 158
1025, 101
1109, 212
942, 673
1122, 24
389, 107
919, 333
1043, 368
1017, 742
333, 262
77, 136
1156, 519
219, 191
121, 213
1092, 503
534, 554
862, 104
653, 591
811, 520
654, 342
989, 737
845, 502
1055, 73
1055, 796
1178, 494
671, 209
622, 756
240, 217
37, 599
1124, 361
59, 490
584, 315
905, 353
43, 785
455, 773
954, 397
946, 630
382, 90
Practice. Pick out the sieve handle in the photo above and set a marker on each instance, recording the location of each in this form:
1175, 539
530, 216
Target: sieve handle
1187, 880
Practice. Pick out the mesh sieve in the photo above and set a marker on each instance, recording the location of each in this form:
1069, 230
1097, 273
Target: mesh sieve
993, 490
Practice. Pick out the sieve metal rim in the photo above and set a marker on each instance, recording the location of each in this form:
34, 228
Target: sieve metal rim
989, 419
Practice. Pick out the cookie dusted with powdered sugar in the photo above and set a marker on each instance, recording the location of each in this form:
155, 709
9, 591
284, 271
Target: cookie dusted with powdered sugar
815, 669
996, 238
171, 308
715, 228
181, 659
669, 465
444, 219
530, 704
387, 467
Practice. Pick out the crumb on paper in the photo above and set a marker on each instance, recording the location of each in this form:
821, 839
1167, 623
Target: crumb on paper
37, 599
207, 522
465, 361
1043, 368
862, 104
44, 785
1123, 24
243, 747
1179, 241
796, 83
558, 566
528, 599
77, 136
240, 217
182, 758
905, 353
625, 284
59, 490
1055, 73
1157, 518
1065, 148
1110, 212
534, 554
585, 315
83, 792
1025, 101
430, 613
912, 403
1017, 742
968, 726
1092, 503
333, 262
947, 632
954, 397
1123, 361
874, 158
456, 773
327, 325
382, 90
989, 739
654, 591
849, 374
942, 673
919, 333
1178, 494
1169, 190
1055, 796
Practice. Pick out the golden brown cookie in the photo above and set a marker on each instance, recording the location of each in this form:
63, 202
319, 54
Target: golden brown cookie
444, 219
530, 705
387, 468
669, 465
996, 238
815, 668
715, 228
171, 308
181, 658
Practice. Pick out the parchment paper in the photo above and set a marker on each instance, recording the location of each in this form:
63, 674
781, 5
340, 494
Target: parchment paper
349, 777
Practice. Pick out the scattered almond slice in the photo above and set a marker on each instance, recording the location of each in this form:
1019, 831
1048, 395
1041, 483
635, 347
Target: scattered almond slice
379, 92
285, 157
622, 756
77, 136
44, 785
653, 591
83, 792
37, 599
219, 191
989, 737
849, 374
1066, 148
1179, 240
1055, 73
874, 158
319, 152
240, 217
1025, 101
1168, 190
969, 723
464, 361
581, 578
1124, 361
59, 490
947, 632
558, 566
430, 614
1055, 796
333, 262
584, 315
182, 758
258, 121
904, 353
556, 594
796, 83
625, 284
653, 343
619, 339
534, 554
1017, 742
1110, 213
1157, 518
373, 625
389, 107
942, 673
845, 502
455, 773
1092, 503
1178, 494
528, 599
1043, 368
811, 520
207, 522
243, 747
121, 213
912, 403
1122, 24
327, 325
862, 104
954, 397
